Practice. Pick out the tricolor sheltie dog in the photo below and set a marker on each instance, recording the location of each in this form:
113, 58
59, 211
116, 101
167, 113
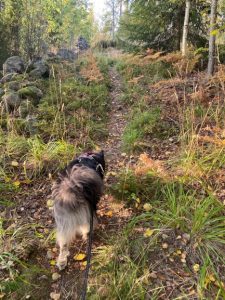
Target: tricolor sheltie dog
76, 194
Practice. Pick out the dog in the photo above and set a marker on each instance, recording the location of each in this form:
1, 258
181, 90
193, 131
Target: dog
76, 194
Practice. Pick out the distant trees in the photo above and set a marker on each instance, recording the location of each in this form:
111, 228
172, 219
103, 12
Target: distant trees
28, 27
158, 24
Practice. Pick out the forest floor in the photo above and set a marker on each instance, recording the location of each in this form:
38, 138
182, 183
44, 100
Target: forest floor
161, 225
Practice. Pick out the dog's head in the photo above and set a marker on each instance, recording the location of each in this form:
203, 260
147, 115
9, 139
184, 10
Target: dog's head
98, 158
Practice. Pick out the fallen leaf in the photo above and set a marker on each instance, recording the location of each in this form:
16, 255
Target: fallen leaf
14, 163
148, 232
16, 183
109, 213
165, 245
52, 262
147, 207
55, 296
55, 276
50, 203
196, 268
7, 179
79, 256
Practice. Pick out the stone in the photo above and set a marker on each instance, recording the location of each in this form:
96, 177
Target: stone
39, 69
11, 100
13, 64
82, 44
32, 93
1, 92
7, 78
26, 107
67, 54
12, 85
31, 124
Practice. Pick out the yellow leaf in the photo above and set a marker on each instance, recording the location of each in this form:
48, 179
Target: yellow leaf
97, 148
16, 183
84, 263
109, 213
27, 181
147, 207
52, 262
196, 268
15, 163
148, 232
138, 200
7, 179
214, 32
79, 256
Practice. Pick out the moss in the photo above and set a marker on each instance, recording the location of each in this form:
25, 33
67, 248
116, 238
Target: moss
31, 92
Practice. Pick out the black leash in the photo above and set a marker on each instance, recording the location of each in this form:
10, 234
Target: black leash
85, 283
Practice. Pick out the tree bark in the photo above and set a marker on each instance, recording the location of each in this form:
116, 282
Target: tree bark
185, 29
113, 20
212, 37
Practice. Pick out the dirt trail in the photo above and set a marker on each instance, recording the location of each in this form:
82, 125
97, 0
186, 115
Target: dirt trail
116, 122
112, 214
31, 208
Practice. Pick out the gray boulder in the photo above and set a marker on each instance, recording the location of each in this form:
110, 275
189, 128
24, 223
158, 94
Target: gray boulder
66, 54
1, 92
39, 69
31, 124
13, 64
13, 85
11, 100
7, 78
82, 43
31, 93
26, 108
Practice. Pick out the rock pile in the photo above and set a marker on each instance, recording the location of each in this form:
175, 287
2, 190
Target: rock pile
82, 44
17, 84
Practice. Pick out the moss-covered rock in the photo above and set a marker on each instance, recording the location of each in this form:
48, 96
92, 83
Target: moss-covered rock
13, 85
31, 93
11, 100
1, 93
26, 108
7, 78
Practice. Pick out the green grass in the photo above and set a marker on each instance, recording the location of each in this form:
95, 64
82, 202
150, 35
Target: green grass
141, 125
122, 267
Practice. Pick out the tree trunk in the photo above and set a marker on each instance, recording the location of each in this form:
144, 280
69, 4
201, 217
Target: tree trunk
185, 29
212, 37
113, 20
121, 8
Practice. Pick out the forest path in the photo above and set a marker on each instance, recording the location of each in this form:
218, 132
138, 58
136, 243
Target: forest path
112, 215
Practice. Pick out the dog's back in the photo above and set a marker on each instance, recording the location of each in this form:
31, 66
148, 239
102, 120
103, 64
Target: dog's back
75, 195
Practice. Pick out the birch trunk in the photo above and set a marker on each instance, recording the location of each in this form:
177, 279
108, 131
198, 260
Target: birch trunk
185, 29
212, 37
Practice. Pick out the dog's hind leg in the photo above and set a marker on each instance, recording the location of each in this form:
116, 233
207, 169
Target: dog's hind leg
84, 230
63, 252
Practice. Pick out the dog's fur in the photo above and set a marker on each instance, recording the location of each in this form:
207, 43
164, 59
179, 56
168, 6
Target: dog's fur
76, 194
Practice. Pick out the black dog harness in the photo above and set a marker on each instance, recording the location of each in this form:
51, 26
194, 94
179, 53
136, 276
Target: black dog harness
89, 161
